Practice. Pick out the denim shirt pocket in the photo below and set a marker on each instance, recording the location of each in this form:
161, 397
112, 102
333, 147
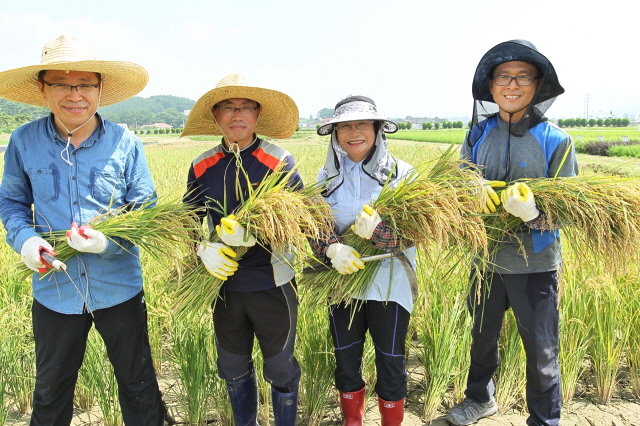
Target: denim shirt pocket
108, 187
43, 184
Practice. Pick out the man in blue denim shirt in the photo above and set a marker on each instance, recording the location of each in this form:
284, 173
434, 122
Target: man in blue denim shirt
60, 171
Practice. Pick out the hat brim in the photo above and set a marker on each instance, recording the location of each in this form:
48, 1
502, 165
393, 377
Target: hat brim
278, 113
120, 80
387, 126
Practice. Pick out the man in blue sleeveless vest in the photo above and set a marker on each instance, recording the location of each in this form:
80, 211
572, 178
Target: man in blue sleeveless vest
258, 296
511, 139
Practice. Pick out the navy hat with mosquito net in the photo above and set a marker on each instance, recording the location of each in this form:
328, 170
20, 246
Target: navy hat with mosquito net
547, 88
516, 50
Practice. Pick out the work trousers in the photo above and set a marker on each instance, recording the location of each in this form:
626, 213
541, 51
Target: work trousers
534, 301
387, 323
61, 340
269, 315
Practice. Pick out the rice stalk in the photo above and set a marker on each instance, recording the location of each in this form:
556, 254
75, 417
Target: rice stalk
163, 231
633, 346
510, 376
329, 285
102, 380
437, 327
5, 351
599, 215
315, 354
575, 333
193, 365
436, 205
608, 345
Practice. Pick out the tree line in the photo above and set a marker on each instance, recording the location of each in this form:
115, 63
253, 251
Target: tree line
592, 122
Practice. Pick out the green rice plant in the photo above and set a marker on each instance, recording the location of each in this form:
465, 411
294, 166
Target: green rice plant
99, 377
5, 351
510, 376
315, 354
633, 346
575, 332
192, 358
611, 328
20, 356
437, 323
368, 369
264, 388
444, 136
163, 231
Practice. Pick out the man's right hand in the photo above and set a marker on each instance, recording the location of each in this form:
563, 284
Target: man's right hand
216, 258
491, 198
345, 259
30, 253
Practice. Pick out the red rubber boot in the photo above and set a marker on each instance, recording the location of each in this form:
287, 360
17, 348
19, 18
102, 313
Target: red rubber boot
352, 405
391, 412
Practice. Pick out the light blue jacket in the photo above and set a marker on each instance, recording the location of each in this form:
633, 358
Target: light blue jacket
39, 188
390, 282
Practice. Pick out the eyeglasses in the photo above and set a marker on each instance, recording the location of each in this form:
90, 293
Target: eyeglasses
521, 80
346, 127
245, 111
64, 89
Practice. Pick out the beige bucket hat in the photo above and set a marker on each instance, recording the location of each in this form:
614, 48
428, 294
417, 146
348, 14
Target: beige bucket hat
278, 116
120, 80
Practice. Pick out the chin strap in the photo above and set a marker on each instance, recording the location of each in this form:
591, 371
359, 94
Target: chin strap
70, 133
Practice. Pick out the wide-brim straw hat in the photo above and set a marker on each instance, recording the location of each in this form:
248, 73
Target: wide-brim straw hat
120, 80
356, 108
278, 114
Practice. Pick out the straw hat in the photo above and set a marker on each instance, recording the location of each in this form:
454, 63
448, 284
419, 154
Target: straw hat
356, 108
278, 116
120, 80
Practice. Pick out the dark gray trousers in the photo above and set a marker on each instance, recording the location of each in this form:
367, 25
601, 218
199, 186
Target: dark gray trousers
533, 299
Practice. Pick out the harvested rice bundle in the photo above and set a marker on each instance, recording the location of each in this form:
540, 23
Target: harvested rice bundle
319, 286
280, 217
435, 207
437, 204
163, 231
599, 215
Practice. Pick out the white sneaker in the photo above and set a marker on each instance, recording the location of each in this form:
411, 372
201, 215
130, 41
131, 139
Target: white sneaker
470, 411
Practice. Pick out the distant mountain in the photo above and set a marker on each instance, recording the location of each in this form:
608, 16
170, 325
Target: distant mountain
16, 108
154, 104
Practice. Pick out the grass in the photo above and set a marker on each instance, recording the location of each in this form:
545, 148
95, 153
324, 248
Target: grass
444, 136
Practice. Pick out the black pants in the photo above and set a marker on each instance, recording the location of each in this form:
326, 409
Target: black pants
533, 299
387, 323
61, 340
269, 315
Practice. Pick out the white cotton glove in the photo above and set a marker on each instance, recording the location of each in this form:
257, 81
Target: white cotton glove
86, 239
30, 253
491, 199
345, 259
366, 222
519, 201
233, 234
216, 259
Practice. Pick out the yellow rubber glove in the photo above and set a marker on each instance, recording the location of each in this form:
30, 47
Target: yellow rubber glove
366, 222
518, 200
233, 234
217, 260
491, 199
345, 259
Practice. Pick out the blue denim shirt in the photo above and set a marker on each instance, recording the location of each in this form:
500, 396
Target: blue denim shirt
346, 203
109, 169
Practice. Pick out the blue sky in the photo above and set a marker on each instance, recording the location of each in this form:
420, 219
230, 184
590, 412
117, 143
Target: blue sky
413, 57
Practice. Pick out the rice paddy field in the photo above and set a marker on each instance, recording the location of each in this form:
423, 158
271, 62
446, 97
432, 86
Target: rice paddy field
586, 134
599, 351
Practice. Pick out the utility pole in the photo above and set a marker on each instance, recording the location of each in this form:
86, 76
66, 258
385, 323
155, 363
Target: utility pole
586, 107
